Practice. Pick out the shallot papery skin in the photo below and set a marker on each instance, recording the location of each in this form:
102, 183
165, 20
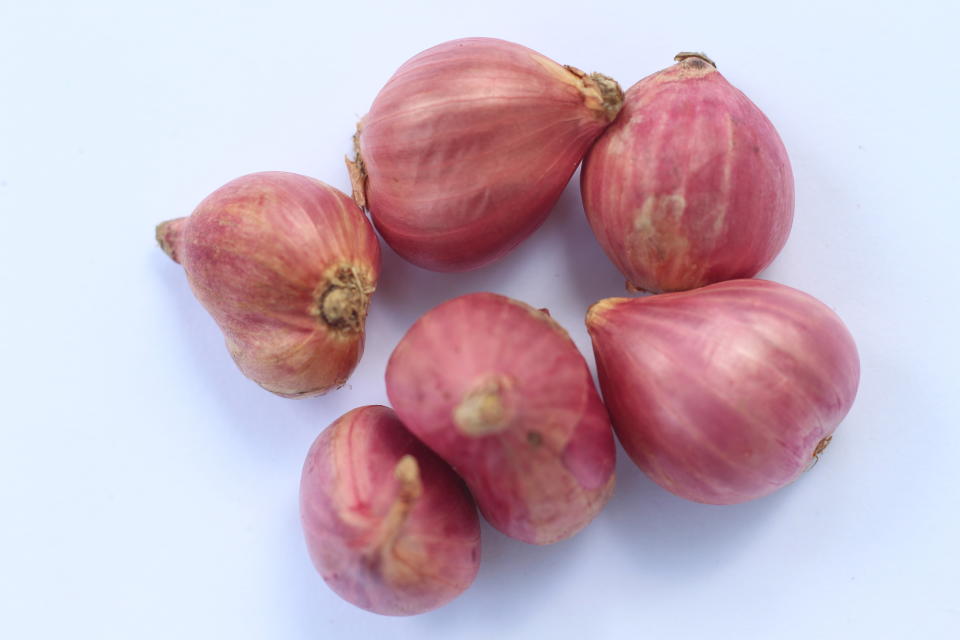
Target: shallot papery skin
468, 146
726, 393
389, 526
499, 390
691, 185
286, 266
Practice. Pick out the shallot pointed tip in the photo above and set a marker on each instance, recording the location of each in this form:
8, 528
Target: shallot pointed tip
169, 236
602, 94
595, 314
694, 58
484, 410
407, 473
611, 95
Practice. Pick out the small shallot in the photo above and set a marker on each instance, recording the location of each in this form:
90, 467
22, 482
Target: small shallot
726, 393
286, 265
389, 526
468, 146
691, 185
499, 390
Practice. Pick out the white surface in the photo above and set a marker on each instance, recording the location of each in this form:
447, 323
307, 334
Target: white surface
150, 491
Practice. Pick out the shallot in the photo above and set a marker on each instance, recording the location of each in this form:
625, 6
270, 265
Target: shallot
286, 265
498, 390
691, 185
726, 393
389, 526
468, 146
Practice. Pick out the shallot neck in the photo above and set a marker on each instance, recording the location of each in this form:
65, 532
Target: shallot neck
694, 59
485, 409
407, 473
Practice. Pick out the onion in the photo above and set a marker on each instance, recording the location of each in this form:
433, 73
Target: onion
726, 393
470, 144
389, 526
691, 185
286, 265
499, 390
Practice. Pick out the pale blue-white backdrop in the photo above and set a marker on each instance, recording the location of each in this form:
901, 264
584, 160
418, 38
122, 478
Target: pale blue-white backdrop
148, 490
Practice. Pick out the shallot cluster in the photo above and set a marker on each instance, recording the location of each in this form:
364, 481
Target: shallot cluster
720, 387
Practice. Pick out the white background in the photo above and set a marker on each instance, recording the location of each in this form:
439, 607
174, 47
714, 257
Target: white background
148, 490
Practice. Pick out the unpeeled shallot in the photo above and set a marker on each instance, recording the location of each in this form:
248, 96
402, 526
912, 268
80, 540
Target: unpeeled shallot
726, 393
286, 265
499, 390
691, 185
389, 526
468, 146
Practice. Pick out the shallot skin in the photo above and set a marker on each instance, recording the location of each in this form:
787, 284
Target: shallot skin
285, 265
468, 146
691, 184
726, 393
389, 526
498, 390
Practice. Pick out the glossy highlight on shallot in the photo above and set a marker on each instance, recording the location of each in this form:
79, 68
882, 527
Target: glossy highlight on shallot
726, 393
691, 185
389, 526
286, 266
499, 390
469, 145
